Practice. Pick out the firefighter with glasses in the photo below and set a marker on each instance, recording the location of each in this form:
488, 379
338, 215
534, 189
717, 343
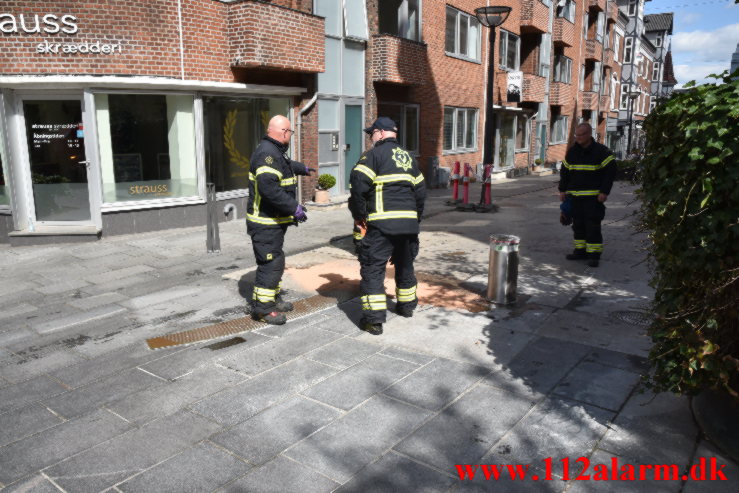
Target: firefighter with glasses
587, 177
271, 208
387, 199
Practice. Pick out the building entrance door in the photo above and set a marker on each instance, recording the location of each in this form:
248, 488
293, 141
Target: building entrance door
57, 161
352, 139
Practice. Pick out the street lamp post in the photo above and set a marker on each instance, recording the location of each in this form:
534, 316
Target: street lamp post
490, 17
632, 97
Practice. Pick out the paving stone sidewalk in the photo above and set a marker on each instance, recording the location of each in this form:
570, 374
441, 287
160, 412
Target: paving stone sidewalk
317, 405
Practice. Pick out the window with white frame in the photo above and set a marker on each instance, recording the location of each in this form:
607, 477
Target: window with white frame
510, 47
522, 133
406, 116
566, 9
400, 18
628, 49
658, 40
624, 100
462, 34
544, 54
460, 129
546, 2
558, 133
616, 46
562, 69
614, 89
582, 77
585, 21
600, 23
595, 77
632, 7
652, 105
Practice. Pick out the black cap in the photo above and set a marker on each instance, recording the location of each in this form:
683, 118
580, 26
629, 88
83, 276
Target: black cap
382, 123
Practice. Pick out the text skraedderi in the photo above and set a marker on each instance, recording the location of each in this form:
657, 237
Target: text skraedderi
64, 24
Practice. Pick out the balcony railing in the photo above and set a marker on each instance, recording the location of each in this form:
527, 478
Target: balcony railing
589, 100
593, 50
563, 32
398, 60
605, 102
560, 93
534, 16
533, 88
608, 57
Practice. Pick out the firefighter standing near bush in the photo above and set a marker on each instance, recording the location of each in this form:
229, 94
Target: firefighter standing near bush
587, 176
387, 198
271, 208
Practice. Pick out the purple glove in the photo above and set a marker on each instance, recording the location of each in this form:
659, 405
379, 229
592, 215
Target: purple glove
300, 215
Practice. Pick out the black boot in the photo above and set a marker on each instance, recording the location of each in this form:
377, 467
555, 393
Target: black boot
593, 260
372, 327
273, 318
577, 254
404, 311
282, 305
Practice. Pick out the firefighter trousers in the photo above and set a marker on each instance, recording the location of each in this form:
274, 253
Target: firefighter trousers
267, 244
377, 248
587, 213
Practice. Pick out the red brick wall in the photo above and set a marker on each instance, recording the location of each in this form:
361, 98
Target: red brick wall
398, 60
534, 15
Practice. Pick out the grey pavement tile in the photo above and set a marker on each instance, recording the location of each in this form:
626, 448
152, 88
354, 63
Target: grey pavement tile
16, 287
35, 484
393, 473
204, 467
97, 250
123, 284
24, 422
260, 438
463, 432
409, 356
27, 367
345, 446
539, 366
103, 299
437, 384
116, 274
176, 365
323, 319
96, 394
17, 310
603, 386
344, 353
16, 336
79, 318
282, 475
18, 395
161, 400
61, 287
128, 454
652, 430
277, 351
628, 362
730, 470
583, 328
64, 440
238, 403
555, 428
159, 297
354, 385
109, 363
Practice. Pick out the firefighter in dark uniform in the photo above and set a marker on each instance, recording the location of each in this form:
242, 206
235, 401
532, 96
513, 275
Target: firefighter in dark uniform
587, 176
387, 198
271, 208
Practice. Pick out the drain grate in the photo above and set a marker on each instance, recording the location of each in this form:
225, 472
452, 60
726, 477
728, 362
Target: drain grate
631, 317
231, 327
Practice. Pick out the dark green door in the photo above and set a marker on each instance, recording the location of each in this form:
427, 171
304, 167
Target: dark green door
352, 139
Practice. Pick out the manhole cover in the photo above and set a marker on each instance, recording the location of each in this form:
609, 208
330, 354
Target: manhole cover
632, 317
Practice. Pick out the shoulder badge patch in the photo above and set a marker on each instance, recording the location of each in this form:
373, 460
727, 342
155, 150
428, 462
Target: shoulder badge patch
402, 159
269, 160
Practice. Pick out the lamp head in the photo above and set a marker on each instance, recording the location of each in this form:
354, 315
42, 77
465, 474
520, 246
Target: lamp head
492, 16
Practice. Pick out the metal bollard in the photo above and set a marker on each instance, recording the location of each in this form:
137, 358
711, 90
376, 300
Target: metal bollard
213, 240
503, 269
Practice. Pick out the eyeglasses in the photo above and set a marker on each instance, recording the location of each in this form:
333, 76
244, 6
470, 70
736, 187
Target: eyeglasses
288, 130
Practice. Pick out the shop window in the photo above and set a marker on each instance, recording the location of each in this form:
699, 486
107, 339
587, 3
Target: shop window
460, 129
4, 193
233, 129
522, 133
147, 146
507, 143
510, 47
559, 129
566, 10
400, 18
406, 116
462, 34
562, 69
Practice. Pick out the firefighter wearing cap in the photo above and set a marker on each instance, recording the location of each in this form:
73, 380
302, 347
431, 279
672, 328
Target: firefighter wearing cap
387, 198
271, 208
587, 177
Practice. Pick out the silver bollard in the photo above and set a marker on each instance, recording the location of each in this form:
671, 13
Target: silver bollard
213, 239
503, 269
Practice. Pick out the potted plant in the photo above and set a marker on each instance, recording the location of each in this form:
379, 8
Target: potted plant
537, 164
325, 182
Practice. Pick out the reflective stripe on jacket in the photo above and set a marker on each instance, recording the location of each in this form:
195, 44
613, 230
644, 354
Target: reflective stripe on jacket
272, 186
587, 171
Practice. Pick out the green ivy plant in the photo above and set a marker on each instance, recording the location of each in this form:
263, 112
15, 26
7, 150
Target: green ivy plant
690, 210
326, 181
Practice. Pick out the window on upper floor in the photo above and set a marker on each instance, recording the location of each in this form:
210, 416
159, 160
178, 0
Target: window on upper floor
562, 69
624, 100
460, 129
658, 40
558, 132
628, 49
343, 17
406, 116
599, 26
566, 9
632, 7
400, 18
614, 89
546, 2
545, 46
582, 78
616, 46
585, 21
462, 34
510, 49
655, 72
595, 77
